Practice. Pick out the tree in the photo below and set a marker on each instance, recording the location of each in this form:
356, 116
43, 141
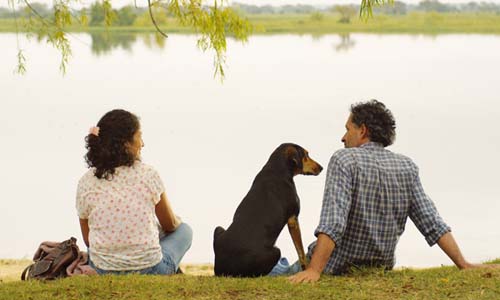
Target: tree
42, 9
346, 12
126, 16
213, 23
144, 19
97, 14
397, 8
366, 9
434, 5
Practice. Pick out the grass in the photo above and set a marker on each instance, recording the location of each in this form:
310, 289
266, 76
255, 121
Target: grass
10, 269
435, 283
415, 22
411, 23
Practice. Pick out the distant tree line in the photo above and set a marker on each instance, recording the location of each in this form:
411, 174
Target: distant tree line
397, 8
131, 15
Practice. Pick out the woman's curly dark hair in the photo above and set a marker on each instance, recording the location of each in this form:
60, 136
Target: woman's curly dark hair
108, 150
377, 118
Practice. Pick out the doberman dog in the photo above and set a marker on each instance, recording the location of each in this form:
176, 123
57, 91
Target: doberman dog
246, 248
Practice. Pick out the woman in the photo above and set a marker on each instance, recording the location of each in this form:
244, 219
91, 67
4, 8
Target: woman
120, 201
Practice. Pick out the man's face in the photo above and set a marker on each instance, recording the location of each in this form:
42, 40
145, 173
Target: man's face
355, 135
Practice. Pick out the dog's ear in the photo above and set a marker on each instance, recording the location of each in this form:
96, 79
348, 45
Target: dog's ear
294, 158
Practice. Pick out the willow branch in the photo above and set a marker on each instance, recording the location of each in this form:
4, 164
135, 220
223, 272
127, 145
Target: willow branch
154, 21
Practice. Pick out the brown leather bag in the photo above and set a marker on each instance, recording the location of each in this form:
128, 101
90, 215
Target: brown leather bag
51, 260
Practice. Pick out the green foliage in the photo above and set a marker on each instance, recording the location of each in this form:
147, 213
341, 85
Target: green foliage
109, 14
101, 13
346, 12
433, 5
21, 63
57, 36
396, 8
160, 14
53, 29
213, 24
126, 16
366, 10
96, 14
84, 18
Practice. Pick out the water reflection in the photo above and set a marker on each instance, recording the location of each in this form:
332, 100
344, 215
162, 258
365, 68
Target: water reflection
346, 43
154, 41
105, 42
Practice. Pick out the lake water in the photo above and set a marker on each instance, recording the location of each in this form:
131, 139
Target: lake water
208, 140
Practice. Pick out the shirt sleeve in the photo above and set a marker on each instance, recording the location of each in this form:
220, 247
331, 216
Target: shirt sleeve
156, 186
337, 198
82, 206
425, 216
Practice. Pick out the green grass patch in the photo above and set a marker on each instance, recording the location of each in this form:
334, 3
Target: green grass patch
411, 23
415, 22
437, 283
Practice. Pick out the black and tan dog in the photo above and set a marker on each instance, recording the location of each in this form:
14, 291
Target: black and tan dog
246, 248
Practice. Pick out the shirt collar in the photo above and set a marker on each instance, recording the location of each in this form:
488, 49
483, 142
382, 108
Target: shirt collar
372, 145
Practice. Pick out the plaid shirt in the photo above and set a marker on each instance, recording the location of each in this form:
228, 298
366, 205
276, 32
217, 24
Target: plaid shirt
369, 193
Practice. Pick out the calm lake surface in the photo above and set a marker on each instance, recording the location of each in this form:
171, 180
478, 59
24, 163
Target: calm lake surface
208, 140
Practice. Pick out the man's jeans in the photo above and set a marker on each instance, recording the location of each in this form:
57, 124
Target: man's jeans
173, 246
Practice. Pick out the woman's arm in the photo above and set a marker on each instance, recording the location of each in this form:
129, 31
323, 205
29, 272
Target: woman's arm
84, 226
165, 215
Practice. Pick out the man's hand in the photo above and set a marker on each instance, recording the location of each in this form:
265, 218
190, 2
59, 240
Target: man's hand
481, 266
449, 246
320, 256
309, 275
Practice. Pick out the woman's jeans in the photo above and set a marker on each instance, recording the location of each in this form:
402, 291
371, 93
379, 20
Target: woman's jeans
173, 246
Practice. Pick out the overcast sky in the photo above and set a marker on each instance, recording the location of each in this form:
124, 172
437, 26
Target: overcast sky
118, 3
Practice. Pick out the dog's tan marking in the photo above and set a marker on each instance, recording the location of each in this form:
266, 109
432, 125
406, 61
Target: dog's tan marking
309, 166
294, 228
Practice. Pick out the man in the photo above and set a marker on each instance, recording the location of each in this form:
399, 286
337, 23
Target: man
369, 193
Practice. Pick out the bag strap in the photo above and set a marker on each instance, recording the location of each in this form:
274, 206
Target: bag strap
23, 275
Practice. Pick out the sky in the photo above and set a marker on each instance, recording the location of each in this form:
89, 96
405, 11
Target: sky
119, 3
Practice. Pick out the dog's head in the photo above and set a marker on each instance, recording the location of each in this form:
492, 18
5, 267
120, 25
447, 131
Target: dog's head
299, 160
